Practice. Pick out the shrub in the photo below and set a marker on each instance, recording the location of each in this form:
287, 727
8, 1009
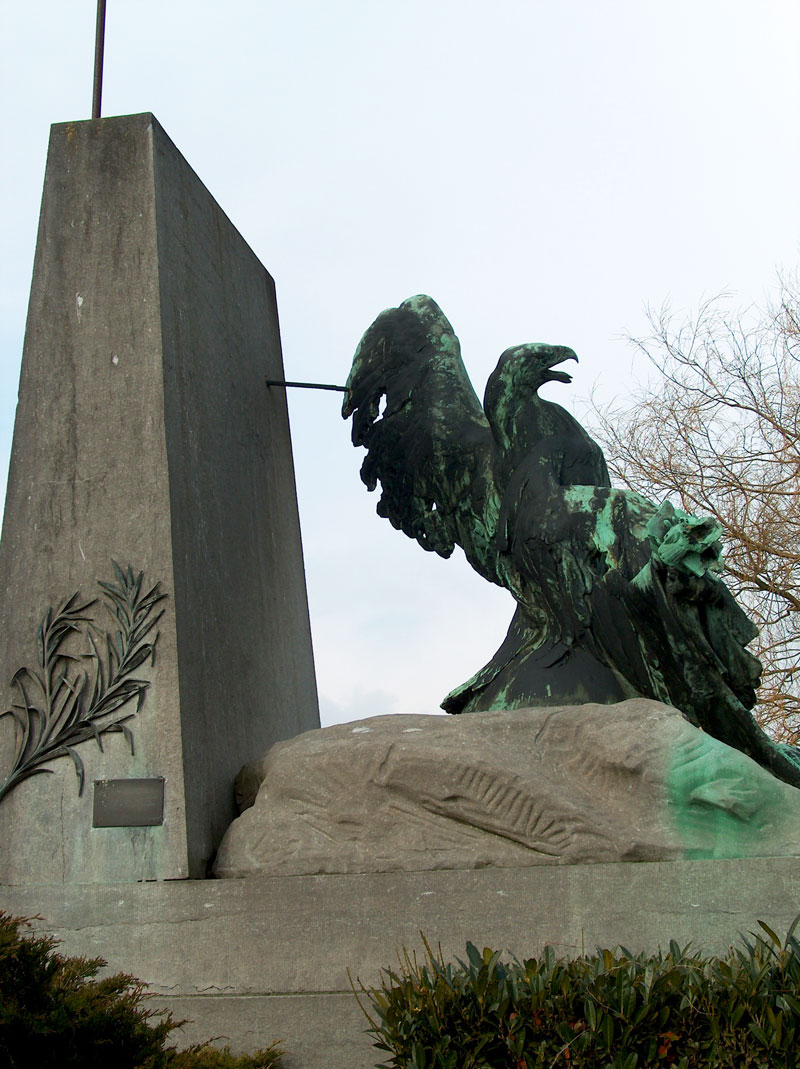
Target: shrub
610, 1010
55, 1011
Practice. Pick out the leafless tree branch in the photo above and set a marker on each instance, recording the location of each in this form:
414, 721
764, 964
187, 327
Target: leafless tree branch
720, 435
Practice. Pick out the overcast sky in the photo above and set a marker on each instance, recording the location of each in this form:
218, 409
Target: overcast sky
545, 170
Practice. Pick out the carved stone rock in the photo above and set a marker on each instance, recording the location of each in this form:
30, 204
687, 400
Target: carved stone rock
594, 783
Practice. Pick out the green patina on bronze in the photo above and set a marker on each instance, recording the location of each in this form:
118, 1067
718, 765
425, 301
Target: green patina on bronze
616, 597
70, 699
720, 801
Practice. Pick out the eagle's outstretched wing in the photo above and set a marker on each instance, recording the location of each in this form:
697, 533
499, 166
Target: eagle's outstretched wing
431, 447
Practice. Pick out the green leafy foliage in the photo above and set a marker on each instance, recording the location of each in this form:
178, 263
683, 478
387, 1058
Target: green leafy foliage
54, 1011
610, 1010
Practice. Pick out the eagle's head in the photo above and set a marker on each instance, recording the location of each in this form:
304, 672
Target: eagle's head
522, 369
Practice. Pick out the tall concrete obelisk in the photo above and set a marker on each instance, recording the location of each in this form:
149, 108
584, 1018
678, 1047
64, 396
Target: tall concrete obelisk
145, 434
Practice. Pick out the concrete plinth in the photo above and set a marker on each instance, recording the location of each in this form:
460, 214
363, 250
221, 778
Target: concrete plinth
145, 434
265, 958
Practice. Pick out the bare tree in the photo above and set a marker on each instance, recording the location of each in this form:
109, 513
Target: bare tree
719, 433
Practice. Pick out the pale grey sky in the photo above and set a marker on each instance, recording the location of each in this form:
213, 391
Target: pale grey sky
544, 170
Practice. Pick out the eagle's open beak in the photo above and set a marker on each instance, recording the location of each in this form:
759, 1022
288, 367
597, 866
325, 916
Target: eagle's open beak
560, 354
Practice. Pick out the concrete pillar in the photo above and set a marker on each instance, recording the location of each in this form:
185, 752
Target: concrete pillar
145, 435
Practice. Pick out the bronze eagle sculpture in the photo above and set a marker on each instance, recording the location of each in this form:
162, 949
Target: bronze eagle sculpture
616, 597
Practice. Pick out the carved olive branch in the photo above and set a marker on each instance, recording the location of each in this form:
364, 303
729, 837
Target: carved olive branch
63, 705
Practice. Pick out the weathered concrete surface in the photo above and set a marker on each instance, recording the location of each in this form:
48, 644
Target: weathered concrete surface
317, 1031
145, 433
594, 783
267, 958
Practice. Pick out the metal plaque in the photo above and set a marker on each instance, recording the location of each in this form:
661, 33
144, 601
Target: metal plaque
128, 803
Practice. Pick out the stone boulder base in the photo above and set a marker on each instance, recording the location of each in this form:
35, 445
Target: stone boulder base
593, 783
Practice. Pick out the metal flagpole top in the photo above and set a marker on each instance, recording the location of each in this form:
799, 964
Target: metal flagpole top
99, 43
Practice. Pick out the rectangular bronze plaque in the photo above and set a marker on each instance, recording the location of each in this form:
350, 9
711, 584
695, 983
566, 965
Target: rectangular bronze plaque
128, 803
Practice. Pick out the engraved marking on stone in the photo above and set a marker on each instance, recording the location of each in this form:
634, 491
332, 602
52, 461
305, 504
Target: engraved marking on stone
489, 799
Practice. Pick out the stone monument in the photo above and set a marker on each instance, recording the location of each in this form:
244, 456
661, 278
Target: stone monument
148, 455
156, 639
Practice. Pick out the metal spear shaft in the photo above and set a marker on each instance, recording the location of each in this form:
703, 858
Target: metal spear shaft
99, 44
307, 385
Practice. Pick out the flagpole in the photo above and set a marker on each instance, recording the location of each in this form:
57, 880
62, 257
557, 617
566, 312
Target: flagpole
99, 44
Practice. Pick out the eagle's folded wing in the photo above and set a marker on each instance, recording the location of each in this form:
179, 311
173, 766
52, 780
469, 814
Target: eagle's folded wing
431, 447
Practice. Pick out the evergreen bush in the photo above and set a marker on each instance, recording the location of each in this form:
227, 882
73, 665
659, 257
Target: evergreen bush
609, 1010
54, 1011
